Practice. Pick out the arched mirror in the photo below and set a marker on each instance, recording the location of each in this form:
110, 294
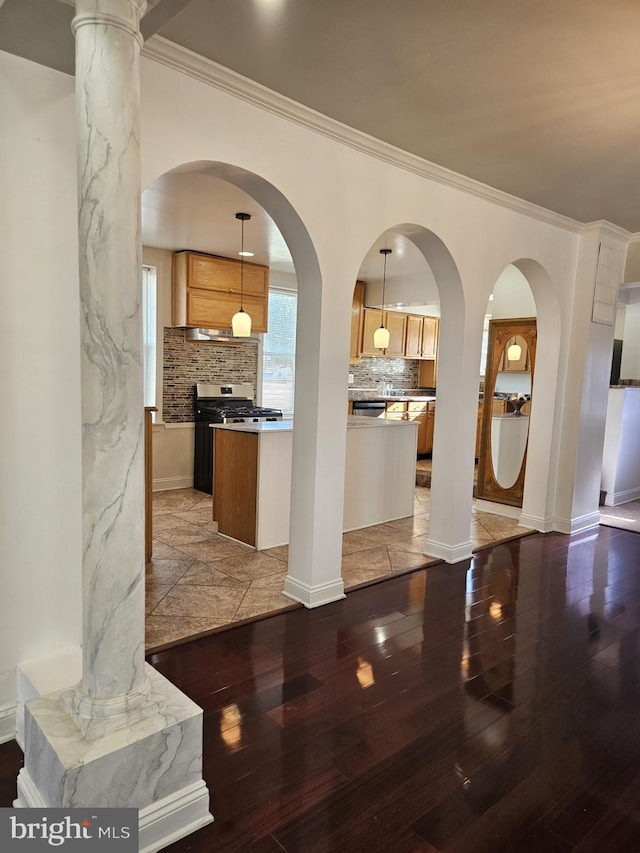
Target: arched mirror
506, 408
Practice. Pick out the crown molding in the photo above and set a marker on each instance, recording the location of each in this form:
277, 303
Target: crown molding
608, 229
205, 70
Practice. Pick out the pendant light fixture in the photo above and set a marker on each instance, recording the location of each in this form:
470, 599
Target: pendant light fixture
241, 321
381, 336
514, 351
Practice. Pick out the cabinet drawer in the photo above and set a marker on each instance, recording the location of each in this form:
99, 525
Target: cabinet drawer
396, 407
417, 407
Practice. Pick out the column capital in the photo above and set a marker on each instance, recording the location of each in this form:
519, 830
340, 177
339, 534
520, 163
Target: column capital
122, 14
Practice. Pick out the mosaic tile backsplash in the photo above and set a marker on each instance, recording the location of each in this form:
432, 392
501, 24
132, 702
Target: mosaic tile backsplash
187, 362
370, 372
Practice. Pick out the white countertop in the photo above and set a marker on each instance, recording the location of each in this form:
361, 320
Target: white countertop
266, 427
260, 427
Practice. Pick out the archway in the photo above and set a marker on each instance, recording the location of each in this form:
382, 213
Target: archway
524, 290
193, 207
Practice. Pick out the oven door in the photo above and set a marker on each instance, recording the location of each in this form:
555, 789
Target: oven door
369, 408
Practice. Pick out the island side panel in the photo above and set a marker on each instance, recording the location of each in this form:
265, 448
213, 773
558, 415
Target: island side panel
274, 489
380, 474
235, 484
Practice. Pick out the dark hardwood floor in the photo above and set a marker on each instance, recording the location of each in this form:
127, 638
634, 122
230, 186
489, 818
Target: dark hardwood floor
486, 706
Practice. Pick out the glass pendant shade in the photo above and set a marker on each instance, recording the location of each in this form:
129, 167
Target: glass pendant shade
381, 338
514, 352
241, 324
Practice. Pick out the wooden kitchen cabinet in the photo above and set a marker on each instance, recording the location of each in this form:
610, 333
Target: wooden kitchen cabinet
422, 337
430, 331
394, 321
357, 320
420, 412
413, 341
206, 291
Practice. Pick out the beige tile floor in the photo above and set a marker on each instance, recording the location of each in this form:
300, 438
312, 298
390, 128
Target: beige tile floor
198, 581
626, 516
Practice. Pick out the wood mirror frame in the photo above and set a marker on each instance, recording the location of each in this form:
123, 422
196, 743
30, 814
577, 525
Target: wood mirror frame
500, 331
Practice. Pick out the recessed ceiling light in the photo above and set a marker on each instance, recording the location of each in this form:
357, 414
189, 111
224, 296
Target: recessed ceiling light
246, 254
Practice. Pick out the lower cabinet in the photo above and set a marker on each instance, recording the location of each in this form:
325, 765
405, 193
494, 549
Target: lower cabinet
420, 412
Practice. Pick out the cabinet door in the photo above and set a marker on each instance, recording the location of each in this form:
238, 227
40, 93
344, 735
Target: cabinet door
371, 322
223, 274
431, 417
397, 325
356, 320
214, 310
430, 327
413, 345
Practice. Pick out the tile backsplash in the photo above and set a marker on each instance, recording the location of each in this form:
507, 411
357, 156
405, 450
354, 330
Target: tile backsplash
370, 372
188, 362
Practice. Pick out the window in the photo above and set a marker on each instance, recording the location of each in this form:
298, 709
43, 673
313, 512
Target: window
279, 352
149, 336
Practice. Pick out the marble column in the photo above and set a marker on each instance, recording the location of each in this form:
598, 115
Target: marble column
124, 735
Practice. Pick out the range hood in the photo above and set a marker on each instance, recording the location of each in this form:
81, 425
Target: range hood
221, 336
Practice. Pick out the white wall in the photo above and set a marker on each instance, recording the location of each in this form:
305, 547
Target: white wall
331, 202
40, 464
630, 365
512, 296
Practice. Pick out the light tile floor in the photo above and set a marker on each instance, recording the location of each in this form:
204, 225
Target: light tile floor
625, 516
198, 581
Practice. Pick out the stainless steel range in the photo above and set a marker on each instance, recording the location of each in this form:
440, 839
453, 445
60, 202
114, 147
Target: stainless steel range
220, 404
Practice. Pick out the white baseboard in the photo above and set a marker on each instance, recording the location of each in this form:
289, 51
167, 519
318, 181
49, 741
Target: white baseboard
165, 484
617, 498
536, 522
8, 721
313, 596
498, 509
173, 817
578, 524
449, 553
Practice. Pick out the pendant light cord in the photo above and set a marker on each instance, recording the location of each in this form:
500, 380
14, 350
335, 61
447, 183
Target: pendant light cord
384, 252
242, 267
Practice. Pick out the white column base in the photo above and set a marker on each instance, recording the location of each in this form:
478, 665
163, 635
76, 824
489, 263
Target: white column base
534, 522
313, 596
578, 524
154, 765
449, 553
159, 825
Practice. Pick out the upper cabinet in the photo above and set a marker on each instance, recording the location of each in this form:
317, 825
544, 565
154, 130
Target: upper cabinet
395, 322
422, 337
411, 336
206, 291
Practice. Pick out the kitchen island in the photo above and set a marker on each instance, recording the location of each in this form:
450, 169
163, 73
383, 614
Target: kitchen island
252, 477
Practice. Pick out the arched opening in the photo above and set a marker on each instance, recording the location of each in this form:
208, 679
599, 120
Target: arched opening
523, 382
199, 580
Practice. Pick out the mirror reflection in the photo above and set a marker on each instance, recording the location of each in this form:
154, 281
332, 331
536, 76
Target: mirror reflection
510, 425
505, 410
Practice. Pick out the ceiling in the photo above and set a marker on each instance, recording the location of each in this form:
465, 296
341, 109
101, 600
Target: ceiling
538, 98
